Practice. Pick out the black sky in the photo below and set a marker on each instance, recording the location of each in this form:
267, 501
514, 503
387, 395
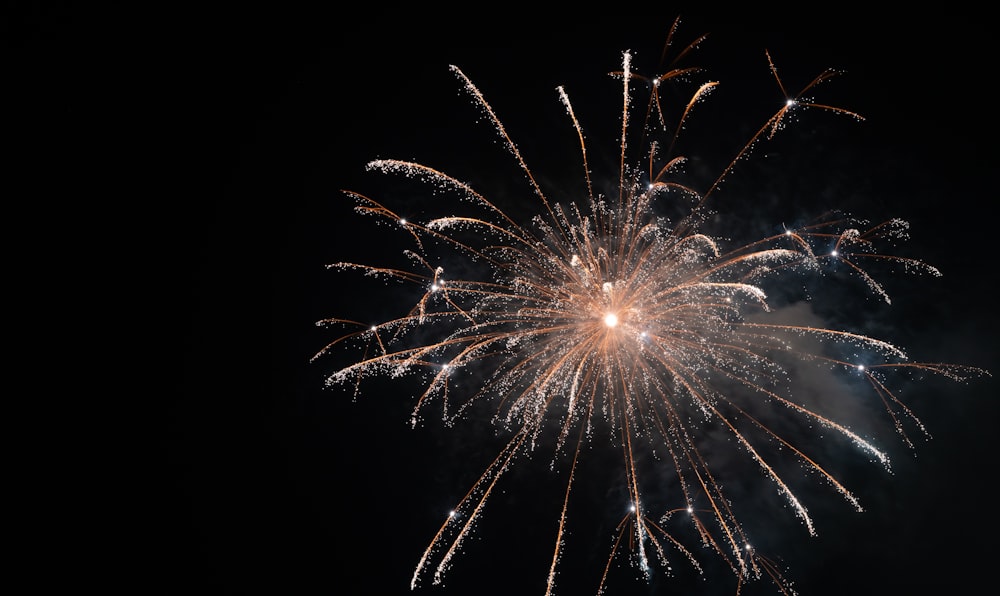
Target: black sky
238, 131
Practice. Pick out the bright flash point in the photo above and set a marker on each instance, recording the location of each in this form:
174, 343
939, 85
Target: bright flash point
611, 319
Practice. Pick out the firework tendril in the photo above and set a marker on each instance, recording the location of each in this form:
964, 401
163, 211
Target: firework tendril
601, 312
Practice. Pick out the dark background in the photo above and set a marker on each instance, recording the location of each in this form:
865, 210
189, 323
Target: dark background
233, 133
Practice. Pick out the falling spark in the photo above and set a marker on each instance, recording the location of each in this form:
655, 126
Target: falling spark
599, 311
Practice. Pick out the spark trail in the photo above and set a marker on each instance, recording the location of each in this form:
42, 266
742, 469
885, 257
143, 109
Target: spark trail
601, 312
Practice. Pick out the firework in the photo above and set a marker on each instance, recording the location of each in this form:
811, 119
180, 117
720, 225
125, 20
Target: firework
601, 314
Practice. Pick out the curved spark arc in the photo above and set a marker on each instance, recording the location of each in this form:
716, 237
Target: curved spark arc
609, 314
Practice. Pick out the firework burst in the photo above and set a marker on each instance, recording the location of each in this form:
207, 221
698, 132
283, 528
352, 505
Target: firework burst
601, 314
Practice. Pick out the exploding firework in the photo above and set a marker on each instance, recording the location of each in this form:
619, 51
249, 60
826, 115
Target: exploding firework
602, 319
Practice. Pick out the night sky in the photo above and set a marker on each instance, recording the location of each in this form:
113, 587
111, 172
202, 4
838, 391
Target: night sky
248, 126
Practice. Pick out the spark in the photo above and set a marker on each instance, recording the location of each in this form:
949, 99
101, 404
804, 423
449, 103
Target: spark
600, 311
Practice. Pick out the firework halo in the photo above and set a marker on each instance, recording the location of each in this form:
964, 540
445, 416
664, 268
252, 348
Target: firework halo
603, 318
